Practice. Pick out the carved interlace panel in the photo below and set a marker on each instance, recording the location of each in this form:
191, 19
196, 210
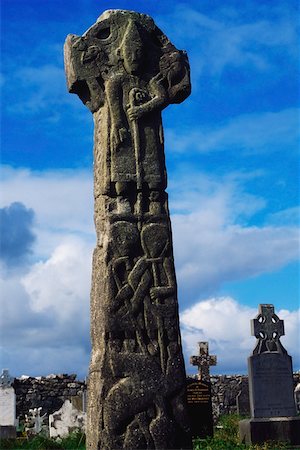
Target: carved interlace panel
126, 71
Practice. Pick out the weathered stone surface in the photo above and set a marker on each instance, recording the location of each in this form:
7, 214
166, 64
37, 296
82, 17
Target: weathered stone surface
242, 399
280, 429
126, 71
8, 432
271, 386
47, 392
204, 360
66, 420
7, 406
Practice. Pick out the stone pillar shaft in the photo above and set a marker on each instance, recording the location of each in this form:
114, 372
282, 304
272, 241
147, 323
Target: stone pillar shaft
126, 71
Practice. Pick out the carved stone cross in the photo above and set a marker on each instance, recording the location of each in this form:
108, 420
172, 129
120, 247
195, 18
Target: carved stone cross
267, 328
126, 71
5, 379
203, 361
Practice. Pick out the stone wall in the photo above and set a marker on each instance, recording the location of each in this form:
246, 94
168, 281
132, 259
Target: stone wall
50, 392
225, 389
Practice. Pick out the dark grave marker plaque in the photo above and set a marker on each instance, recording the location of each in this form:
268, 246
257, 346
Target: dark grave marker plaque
200, 408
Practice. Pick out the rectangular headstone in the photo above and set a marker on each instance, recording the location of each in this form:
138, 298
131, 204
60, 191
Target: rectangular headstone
7, 412
200, 408
271, 385
7, 406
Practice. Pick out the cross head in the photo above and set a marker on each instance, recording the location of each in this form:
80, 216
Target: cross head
5, 379
203, 361
267, 328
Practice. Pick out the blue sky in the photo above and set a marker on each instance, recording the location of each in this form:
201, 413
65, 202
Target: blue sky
233, 167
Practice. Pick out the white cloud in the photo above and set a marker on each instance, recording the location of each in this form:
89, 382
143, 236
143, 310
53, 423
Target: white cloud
249, 133
45, 314
225, 324
286, 216
62, 201
46, 308
62, 282
227, 39
46, 92
213, 242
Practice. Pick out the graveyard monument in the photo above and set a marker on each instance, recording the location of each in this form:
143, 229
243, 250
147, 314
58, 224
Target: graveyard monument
7, 406
203, 361
271, 390
199, 397
126, 71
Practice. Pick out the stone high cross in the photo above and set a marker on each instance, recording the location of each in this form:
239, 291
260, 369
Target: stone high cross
267, 328
126, 71
203, 361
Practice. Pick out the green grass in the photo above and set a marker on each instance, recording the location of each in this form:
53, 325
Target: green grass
225, 438
75, 441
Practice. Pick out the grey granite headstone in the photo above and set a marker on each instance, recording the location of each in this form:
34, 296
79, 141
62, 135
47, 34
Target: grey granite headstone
272, 405
270, 368
126, 71
7, 406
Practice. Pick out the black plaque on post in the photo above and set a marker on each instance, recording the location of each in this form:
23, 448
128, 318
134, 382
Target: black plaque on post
200, 408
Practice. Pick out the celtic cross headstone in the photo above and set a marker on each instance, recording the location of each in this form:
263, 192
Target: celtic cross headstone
271, 387
126, 71
270, 368
268, 329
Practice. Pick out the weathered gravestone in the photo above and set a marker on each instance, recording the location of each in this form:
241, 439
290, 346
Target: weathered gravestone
35, 423
79, 401
66, 420
199, 397
271, 389
7, 406
242, 399
126, 71
297, 397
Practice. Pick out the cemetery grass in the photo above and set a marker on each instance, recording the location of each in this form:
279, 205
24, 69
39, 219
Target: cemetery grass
75, 441
227, 438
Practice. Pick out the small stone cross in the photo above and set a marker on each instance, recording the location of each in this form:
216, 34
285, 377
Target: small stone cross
5, 379
267, 328
203, 361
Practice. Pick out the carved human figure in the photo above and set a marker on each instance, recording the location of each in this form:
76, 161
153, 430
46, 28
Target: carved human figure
126, 71
153, 282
